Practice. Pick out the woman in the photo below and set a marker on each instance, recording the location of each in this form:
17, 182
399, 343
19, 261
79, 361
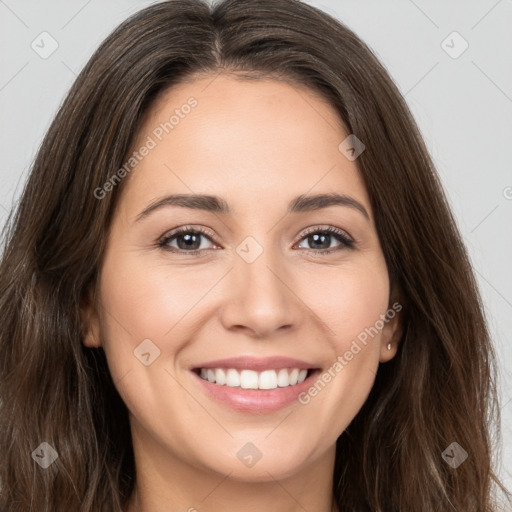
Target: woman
174, 339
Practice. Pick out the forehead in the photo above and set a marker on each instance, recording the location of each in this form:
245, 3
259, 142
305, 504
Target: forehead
252, 140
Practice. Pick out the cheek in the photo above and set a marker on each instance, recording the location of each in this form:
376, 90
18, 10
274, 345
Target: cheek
144, 300
146, 312
149, 299
350, 304
349, 300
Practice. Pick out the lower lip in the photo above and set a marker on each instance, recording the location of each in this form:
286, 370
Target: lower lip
256, 400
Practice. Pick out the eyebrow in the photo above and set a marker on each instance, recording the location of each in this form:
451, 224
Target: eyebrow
215, 204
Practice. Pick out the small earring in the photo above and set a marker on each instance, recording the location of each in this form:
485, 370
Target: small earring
389, 346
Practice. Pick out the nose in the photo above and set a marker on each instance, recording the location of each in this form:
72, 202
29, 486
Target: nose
261, 298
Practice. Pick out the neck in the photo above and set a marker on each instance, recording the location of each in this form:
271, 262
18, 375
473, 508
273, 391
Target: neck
141, 502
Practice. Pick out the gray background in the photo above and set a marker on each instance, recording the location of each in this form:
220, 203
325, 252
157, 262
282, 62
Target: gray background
463, 106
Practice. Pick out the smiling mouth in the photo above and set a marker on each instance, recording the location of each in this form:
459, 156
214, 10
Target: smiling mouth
251, 379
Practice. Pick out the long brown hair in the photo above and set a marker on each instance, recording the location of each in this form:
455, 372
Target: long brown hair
441, 386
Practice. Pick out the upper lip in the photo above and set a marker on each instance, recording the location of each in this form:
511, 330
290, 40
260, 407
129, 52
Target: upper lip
256, 364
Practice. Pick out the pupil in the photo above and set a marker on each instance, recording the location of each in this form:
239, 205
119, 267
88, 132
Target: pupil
316, 237
190, 239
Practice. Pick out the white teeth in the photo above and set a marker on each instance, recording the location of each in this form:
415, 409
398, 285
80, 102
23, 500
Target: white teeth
250, 379
283, 379
232, 379
268, 380
302, 376
220, 376
294, 375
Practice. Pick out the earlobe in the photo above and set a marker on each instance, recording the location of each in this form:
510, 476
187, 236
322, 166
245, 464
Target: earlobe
90, 320
391, 336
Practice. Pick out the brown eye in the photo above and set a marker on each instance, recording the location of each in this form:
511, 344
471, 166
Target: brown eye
186, 239
320, 240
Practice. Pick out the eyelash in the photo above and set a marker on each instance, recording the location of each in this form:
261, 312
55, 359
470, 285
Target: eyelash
346, 241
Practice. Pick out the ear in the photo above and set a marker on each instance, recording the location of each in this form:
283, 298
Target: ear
392, 331
90, 319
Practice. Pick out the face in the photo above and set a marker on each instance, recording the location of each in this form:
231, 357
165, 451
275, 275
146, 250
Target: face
258, 289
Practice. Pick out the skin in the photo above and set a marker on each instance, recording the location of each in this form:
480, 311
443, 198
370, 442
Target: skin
257, 144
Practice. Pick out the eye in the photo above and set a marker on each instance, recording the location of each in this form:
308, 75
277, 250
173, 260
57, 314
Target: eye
321, 239
186, 239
